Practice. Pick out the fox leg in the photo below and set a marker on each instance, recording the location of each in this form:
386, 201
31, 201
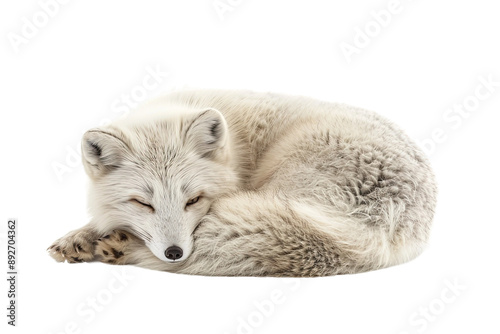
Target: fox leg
118, 247
76, 246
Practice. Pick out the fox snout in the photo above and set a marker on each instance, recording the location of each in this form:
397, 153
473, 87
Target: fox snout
173, 253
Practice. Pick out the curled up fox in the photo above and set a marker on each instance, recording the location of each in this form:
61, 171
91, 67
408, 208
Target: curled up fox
236, 183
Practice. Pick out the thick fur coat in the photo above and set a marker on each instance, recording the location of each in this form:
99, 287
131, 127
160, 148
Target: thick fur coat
252, 184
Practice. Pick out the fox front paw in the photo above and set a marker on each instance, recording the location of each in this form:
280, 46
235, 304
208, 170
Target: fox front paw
113, 248
75, 247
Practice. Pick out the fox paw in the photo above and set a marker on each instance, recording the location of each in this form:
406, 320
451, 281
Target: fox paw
112, 248
75, 247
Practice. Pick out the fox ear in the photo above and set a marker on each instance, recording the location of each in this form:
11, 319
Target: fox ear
207, 132
102, 150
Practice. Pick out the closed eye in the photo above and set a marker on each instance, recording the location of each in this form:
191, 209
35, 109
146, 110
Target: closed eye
141, 203
193, 201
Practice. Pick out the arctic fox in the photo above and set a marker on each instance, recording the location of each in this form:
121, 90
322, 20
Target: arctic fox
238, 183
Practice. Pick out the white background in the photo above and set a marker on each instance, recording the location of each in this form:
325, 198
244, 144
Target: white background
71, 73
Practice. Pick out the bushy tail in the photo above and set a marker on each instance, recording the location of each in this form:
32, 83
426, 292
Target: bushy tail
266, 234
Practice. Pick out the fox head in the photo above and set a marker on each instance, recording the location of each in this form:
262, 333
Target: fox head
157, 177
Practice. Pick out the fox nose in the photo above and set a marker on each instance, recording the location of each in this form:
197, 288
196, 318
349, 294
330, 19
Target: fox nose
173, 253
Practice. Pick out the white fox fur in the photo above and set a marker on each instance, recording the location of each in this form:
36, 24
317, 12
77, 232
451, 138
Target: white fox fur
281, 185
